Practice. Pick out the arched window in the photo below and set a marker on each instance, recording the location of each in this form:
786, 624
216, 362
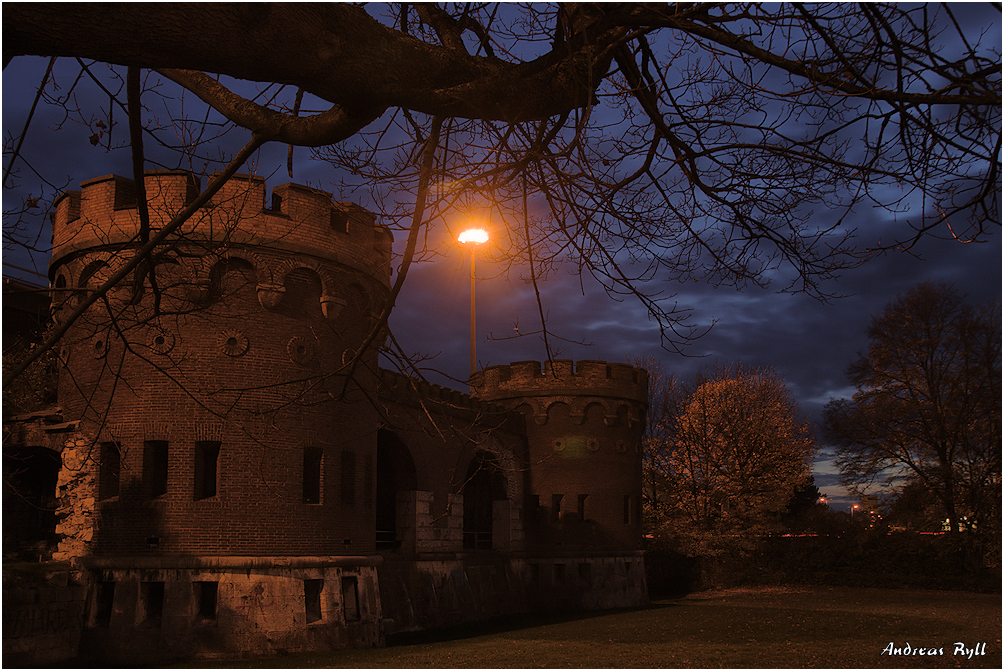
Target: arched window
231, 279
87, 279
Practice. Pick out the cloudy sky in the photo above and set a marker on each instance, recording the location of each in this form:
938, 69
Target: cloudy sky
808, 342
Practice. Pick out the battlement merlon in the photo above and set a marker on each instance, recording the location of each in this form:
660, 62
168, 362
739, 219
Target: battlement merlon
561, 378
298, 219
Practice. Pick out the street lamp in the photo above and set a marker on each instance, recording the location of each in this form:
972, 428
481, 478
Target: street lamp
473, 237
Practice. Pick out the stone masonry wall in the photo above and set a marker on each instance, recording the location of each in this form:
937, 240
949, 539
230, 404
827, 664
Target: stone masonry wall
42, 617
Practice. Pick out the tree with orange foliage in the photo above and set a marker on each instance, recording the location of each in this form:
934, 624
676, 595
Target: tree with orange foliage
739, 449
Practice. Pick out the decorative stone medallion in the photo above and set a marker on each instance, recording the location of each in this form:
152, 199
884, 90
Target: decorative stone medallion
162, 341
99, 345
301, 350
233, 342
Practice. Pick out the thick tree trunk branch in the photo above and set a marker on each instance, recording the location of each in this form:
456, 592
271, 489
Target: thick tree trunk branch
328, 127
335, 51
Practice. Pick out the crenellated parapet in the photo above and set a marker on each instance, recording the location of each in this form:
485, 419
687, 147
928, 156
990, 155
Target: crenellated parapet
103, 214
525, 381
407, 390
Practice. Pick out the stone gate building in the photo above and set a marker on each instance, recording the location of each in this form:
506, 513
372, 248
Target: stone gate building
242, 478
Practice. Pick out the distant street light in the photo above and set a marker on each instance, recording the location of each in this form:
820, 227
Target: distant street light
473, 237
853, 508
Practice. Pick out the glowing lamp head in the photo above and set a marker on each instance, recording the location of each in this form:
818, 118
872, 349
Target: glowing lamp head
474, 236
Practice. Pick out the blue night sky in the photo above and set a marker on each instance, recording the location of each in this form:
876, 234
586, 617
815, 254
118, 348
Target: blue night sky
809, 343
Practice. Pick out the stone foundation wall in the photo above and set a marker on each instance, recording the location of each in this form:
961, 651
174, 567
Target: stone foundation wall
160, 609
456, 588
42, 617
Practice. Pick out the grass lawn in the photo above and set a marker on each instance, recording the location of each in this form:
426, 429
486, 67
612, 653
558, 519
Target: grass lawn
750, 628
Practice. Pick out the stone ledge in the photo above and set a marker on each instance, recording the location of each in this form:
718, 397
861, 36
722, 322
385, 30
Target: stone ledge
221, 562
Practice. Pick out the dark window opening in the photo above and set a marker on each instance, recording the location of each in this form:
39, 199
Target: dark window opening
232, 278
110, 471
582, 506
276, 203
205, 599
151, 603
368, 481
559, 574
312, 599
350, 598
104, 599
339, 221
88, 273
207, 455
534, 510
627, 509
556, 506
302, 297
395, 473
155, 465
312, 460
348, 494
484, 485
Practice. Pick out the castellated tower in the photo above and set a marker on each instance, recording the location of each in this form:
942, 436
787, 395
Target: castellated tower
212, 402
219, 489
584, 430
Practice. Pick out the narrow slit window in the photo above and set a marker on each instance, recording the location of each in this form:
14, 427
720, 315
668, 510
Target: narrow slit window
627, 509
151, 604
109, 471
582, 506
207, 455
350, 598
534, 511
556, 506
368, 481
104, 599
205, 599
348, 494
312, 599
155, 465
313, 458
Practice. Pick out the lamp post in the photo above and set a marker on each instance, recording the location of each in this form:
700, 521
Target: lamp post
473, 237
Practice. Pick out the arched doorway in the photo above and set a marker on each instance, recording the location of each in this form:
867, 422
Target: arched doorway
395, 473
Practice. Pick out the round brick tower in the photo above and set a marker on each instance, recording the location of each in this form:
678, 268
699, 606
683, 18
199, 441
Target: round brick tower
584, 430
215, 415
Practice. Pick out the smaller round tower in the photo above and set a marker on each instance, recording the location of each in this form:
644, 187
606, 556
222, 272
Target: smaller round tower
584, 426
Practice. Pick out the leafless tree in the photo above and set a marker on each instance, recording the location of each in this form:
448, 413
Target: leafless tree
927, 405
674, 141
